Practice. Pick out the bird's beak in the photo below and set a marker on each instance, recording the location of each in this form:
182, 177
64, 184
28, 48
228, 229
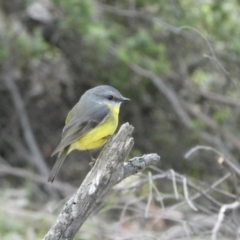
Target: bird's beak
123, 99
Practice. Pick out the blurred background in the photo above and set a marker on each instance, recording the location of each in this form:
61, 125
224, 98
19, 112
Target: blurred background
179, 62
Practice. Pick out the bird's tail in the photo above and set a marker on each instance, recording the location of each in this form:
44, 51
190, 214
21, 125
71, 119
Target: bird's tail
61, 157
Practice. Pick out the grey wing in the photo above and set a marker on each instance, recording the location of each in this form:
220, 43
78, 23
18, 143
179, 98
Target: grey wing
81, 124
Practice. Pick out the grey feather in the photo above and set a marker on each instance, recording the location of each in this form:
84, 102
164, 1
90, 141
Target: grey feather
61, 157
79, 125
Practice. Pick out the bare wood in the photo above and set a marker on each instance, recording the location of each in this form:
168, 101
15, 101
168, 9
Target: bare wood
221, 216
233, 168
108, 170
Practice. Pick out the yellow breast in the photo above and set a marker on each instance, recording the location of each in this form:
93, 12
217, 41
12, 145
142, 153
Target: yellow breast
98, 136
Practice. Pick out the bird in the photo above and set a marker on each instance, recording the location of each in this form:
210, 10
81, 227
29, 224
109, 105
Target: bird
89, 124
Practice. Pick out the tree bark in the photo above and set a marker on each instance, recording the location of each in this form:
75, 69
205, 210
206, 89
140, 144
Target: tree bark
108, 170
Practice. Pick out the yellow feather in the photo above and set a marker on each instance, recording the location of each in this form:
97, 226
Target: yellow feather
98, 136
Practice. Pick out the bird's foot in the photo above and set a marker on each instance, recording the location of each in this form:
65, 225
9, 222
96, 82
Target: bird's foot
92, 159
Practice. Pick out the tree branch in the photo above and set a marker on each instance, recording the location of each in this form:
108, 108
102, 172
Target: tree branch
65, 188
108, 170
35, 153
221, 216
209, 122
37, 158
218, 98
167, 91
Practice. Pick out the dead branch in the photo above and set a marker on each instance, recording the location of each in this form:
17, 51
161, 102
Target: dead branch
108, 170
178, 178
35, 154
218, 98
209, 122
221, 215
36, 157
222, 160
65, 188
167, 92
229, 166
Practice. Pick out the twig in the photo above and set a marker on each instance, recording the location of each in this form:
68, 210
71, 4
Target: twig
176, 30
201, 147
222, 211
213, 56
218, 98
37, 157
159, 197
182, 179
150, 195
63, 187
204, 193
172, 172
222, 160
229, 165
209, 122
185, 190
126, 207
108, 170
167, 92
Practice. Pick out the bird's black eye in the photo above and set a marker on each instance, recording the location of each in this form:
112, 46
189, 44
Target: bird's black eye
110, 97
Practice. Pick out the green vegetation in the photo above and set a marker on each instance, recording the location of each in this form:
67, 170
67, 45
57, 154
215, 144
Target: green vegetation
177, 60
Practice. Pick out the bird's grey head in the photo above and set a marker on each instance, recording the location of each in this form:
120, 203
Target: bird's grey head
105, 94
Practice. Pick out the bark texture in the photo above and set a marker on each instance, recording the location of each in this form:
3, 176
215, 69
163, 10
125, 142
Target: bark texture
109, 169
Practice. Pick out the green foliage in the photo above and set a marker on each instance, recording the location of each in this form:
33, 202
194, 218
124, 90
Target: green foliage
199, 77
31, 46
222, 115
100, 35
78, 14
10, 225
141, 49
25, 46
97, 37
4, 52
195, 170
198, 125
113, 35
